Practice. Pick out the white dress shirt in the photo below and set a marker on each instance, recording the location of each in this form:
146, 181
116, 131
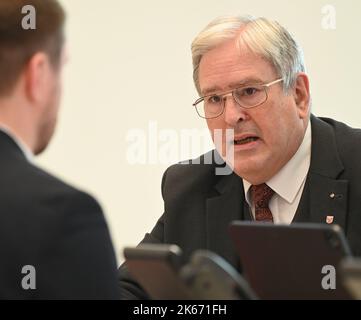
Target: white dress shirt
287, 184
23, 147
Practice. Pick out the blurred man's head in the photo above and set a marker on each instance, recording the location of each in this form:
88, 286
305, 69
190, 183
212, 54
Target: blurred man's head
269, 121
30, 70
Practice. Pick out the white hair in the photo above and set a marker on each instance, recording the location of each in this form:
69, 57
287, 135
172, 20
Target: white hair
261, 36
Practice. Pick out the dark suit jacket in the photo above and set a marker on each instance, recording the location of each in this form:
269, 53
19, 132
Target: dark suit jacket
200, 205
53, 227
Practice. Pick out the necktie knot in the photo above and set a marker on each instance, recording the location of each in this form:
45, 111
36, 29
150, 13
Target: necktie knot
261, 195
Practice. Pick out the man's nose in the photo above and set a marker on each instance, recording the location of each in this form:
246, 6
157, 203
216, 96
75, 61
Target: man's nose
233, 112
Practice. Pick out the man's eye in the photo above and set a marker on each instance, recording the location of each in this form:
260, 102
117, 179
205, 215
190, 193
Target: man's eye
214, 99
249, 91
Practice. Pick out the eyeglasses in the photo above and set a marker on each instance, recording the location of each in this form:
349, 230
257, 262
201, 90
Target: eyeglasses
249, 96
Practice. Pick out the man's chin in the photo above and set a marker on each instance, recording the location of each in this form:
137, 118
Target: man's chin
41, 148
247, 171
45, 134
43, 142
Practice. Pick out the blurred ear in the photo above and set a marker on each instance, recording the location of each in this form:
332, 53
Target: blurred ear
301, 94
37, 78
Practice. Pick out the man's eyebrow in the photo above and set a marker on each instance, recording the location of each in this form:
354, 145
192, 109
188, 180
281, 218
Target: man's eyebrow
246, 81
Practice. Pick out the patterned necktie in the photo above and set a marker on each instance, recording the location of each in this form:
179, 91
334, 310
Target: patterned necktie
261, 195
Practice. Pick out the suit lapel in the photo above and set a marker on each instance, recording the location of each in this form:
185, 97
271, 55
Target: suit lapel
221, 210
327, 195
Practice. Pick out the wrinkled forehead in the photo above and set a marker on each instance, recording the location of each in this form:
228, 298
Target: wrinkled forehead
228, 65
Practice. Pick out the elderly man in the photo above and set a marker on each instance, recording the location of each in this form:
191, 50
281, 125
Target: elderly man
288, 166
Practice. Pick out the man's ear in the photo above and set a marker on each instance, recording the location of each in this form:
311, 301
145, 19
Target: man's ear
37, 76
301, 94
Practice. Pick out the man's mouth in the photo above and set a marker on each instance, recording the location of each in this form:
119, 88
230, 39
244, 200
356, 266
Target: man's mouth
244, 140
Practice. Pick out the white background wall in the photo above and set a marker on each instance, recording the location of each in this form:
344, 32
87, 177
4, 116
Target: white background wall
130, 63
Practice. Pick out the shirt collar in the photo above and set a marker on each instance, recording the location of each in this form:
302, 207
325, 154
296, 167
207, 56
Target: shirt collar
288, 181
22, 146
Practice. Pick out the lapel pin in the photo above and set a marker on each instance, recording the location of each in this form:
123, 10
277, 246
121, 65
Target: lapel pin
335, 196
329, 219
